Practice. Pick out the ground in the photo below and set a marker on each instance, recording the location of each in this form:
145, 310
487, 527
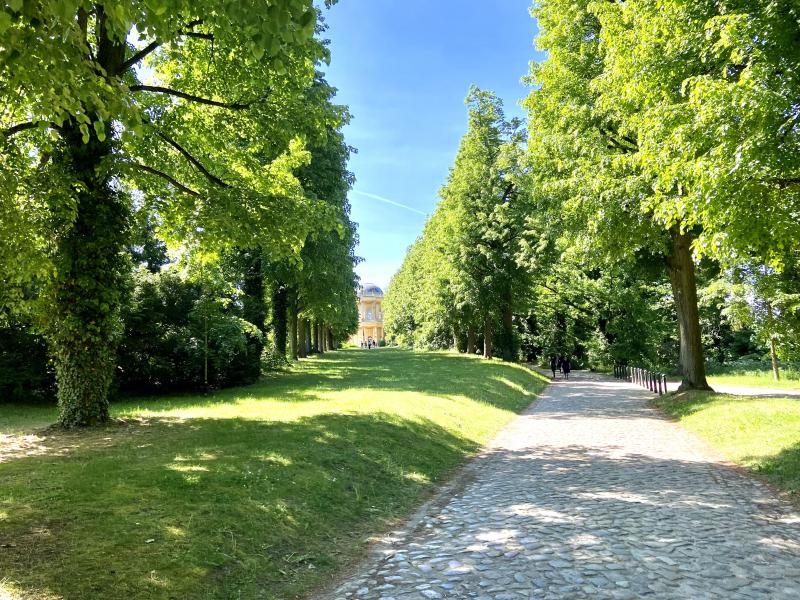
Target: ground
257, 492
269, 491
591, 494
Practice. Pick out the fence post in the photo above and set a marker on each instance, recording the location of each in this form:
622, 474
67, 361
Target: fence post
652, 381
659, 385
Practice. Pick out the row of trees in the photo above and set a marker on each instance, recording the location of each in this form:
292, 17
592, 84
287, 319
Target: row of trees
206, 125
663, 145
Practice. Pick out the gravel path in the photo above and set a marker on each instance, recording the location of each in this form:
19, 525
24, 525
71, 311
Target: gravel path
590, 494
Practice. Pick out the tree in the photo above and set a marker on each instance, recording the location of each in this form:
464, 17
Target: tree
206, 132
463, 273
584, 163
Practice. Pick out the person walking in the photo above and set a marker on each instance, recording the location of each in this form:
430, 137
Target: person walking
560, 363
566, 367
553, 365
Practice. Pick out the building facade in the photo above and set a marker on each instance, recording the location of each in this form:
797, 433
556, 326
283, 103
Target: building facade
370, 315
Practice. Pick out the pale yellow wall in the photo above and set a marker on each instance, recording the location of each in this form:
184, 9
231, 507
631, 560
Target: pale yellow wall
369, 327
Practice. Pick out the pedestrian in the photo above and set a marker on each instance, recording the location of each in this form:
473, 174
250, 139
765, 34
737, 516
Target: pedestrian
560, 363
553, 365
566, 367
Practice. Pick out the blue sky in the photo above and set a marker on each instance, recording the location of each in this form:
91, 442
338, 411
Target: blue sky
404, 68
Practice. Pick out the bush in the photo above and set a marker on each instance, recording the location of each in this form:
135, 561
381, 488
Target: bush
174, 332
26, 374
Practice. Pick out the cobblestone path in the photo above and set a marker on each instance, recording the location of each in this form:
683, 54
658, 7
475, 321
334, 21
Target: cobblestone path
590, 494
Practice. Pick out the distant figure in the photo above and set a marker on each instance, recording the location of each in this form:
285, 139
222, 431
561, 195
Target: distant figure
561, 362
553, 365
369, 344
566, 367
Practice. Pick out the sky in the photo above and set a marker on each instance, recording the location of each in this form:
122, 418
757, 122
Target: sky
404, 69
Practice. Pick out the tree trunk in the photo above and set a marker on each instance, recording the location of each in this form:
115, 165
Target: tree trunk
507, 335
773, 353
254, 308
330, 339
318, 344
487, 337
293, 324
90, 268
470, 340
684, 290
302, 348
280, 301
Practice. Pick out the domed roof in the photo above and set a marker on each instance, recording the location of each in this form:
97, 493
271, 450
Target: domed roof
370, 289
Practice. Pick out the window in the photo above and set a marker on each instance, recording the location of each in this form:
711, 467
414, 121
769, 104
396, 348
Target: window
369, 315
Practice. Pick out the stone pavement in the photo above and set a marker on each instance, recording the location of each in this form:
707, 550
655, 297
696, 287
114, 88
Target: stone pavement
590, 494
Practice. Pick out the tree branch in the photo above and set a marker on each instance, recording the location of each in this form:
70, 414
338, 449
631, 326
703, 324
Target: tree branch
507, 193
192, 98
174, 182
155, 44
784, 183
14, 129
138, 56
213, 178
198, 35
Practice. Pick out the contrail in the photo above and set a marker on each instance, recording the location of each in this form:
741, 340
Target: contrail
387, 201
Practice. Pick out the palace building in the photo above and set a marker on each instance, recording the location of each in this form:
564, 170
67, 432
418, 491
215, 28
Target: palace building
370, 315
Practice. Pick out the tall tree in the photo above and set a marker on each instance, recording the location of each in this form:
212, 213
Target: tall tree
202, 131
585, 170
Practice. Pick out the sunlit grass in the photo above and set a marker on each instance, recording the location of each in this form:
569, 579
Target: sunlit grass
256, 492
761, 379
762, 434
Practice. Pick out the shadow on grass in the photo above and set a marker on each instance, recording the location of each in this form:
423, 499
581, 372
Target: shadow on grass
781, 469
214, 508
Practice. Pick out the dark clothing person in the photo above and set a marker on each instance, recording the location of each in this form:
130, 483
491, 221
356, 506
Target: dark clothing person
566, 367
553, 365
561, 362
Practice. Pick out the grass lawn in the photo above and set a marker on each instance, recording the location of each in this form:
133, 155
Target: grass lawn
762, 434
754, 379
255, 492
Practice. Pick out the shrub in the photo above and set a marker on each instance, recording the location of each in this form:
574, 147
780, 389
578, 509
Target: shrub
174, 332
26, 375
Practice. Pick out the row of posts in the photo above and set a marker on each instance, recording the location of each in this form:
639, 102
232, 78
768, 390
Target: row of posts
655, 382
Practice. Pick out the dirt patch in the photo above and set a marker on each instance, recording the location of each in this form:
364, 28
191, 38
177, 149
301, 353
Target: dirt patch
54, 441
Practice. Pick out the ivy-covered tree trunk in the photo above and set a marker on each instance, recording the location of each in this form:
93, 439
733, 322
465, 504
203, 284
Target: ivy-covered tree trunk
487, 336
90, 269
470, 340
280, 303
684, 290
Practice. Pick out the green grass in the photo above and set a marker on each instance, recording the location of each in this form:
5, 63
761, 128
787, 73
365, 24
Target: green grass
255, 492
752, 379
762, 434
